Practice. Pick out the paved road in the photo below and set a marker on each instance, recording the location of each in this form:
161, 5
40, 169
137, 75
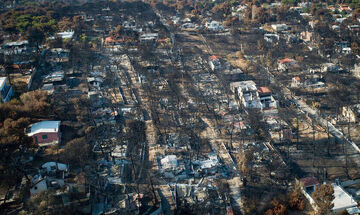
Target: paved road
219, 147
235, 183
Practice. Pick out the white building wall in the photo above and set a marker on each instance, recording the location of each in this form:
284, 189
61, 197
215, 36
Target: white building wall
38, 188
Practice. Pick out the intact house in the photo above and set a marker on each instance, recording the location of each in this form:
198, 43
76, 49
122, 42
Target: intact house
214, 62
119, 40
247, 93
279, 27
296, 82
275, 4
346, 50
271, 38
266, 98
64, 35
343, 200
45, 133
149, 37
6, 91
306, 15
214, 26
287, 63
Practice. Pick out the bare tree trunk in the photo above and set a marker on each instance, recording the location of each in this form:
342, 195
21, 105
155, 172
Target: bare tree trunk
328, 135
297, 131
153, 191
348, 124
313, 142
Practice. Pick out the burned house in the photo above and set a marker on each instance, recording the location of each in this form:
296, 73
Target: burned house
51, 176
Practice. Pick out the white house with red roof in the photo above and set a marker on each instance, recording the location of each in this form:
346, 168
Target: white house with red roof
266, 98
214, 62
45, 133
296, 82
286, 64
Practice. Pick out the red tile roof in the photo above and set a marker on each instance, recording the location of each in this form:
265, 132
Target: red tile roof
161, 40
286, 60
109, 40
214, 57
309, 181
229, 210
297, 78
112, 40
13, 66
262, 90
